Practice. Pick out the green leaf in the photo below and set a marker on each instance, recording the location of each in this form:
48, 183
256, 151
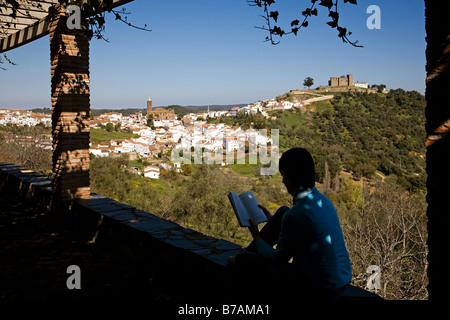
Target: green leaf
277, 30
342, 32
326, 3
332, 24
307, 12
101, 21
274, 15
334, 15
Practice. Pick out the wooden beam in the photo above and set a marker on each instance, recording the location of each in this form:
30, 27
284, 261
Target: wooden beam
25, 35
34, 30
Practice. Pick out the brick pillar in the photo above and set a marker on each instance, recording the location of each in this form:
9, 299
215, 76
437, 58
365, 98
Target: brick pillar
437, 112
69, 51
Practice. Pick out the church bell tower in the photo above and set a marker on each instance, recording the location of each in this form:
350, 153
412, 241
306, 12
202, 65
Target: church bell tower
149, 106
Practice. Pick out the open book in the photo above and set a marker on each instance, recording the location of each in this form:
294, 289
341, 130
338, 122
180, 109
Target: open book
245, 207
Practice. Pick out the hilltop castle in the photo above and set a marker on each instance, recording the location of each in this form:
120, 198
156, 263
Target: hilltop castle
346, 82
159, 113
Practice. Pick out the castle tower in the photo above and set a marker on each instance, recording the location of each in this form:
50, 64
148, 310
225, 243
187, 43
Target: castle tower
149, 106
350, 80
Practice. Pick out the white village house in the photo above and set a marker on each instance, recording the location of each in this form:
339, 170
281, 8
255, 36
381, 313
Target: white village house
151, 172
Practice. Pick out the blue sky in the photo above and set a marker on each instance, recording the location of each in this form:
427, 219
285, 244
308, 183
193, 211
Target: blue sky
209, 52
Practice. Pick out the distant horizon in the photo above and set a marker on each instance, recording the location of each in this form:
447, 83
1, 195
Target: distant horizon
184, 106
140, 108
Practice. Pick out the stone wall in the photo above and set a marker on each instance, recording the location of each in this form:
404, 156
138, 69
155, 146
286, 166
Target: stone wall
345, 89
160, 246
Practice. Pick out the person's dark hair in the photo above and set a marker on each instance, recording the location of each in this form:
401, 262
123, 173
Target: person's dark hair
298, 165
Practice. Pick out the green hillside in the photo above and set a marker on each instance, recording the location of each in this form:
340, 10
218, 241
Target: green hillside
363, 134
100, 135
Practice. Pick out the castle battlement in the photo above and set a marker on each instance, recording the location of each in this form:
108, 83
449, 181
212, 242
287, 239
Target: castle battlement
341, 81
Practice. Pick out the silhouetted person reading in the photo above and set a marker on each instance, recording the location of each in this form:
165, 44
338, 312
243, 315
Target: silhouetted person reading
309, 232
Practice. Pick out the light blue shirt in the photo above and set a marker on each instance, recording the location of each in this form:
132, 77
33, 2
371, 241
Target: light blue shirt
312, 236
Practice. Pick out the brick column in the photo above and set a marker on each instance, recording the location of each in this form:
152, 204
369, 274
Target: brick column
69, 51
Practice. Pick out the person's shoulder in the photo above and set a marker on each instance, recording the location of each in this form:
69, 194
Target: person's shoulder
298, 216
319, 195
301, 208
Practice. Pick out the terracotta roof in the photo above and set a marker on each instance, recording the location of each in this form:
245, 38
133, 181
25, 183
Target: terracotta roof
161, 110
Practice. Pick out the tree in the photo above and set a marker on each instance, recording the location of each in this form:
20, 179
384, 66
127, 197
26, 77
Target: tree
5, 57
200, 201
308, 82
271, 17
326, 179
381, 88
351, 195
391, 234
186, 168
109, 127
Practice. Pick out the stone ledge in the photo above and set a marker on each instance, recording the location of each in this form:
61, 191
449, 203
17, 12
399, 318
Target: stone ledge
32, 186
153, 242
159, 229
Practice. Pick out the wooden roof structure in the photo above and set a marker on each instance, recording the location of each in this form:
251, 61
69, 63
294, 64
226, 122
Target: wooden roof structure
30, 22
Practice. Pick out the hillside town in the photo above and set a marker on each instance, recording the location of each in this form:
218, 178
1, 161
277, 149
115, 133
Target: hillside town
164, 132
161, 130
24, 118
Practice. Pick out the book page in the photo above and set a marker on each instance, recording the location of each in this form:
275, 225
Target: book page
239, 209
251, 204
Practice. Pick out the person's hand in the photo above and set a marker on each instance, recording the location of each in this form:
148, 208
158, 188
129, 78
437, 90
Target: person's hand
266, 212
254, 231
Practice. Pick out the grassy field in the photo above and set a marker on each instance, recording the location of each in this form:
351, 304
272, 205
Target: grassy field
100, 135
289, 117
322, 106
160, 186
248, 170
